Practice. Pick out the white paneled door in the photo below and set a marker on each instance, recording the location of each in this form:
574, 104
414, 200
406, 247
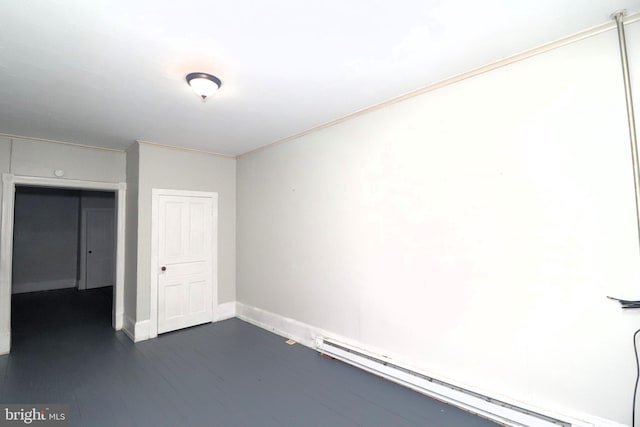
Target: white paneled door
185, 225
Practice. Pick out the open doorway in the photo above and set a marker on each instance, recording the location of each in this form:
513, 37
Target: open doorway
62, 239
12, 182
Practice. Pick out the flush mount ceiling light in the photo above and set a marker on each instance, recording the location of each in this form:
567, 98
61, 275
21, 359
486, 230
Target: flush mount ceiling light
203, 84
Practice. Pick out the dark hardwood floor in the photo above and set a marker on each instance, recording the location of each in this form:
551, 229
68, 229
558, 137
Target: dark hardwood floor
225, 374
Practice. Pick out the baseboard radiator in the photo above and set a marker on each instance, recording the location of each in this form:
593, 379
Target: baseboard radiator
505, 413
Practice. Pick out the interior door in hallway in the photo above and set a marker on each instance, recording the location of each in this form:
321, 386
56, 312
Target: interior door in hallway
185, 260
100, 248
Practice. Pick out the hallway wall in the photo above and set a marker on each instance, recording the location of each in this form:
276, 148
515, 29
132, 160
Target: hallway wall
45, 239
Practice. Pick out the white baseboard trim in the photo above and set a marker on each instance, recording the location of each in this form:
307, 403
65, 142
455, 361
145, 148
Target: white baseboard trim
280, 325
118, 321
129, 328
46, 285
136, 331
5, 343
224, 311
142, 330
312, 337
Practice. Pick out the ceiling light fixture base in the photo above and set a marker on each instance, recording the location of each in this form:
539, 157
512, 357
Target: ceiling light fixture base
203, 84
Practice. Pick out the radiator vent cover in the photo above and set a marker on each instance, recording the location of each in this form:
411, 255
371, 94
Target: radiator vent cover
500, 411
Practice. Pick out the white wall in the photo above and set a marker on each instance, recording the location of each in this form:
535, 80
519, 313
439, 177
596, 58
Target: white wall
45, 239
40, 158
472, 232
5, 162
131, 234
168, 168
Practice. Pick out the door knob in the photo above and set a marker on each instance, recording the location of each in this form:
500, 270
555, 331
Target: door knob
163, 268
90, 252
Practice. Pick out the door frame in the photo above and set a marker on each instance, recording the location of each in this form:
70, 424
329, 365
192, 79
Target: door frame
82, 281
9, 182
155, 221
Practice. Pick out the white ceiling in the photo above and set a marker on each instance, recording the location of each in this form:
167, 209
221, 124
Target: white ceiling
108, 72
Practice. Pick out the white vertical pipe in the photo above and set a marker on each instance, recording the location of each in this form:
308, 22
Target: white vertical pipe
618, 17
622, 41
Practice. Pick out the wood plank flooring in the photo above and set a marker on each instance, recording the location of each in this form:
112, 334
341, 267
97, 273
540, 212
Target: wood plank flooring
225, 374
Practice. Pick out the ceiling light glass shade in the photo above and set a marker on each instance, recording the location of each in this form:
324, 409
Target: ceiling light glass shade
203, 84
